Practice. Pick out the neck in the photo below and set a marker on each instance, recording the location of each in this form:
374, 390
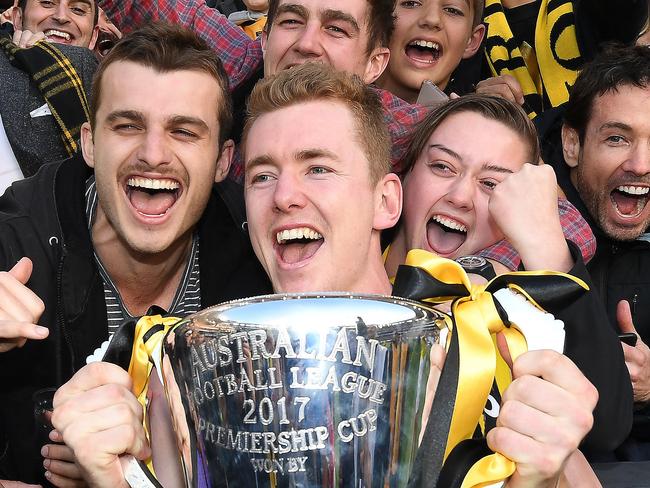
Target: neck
396, 254
142, 279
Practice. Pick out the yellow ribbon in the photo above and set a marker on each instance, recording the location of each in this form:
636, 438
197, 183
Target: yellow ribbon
475, 323
146, 345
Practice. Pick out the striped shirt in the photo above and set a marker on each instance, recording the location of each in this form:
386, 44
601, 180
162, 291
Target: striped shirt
187, 299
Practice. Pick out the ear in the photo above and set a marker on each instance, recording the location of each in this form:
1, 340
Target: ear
224, 161
376, 64
570, 146
389, 202
93, 38
264, 37
17, 17
474, 41
87, 144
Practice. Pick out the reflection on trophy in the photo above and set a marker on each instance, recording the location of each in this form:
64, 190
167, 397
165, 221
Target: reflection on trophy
300, 390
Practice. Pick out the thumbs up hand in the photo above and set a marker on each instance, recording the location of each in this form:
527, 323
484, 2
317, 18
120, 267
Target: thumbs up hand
20, 308
637, 358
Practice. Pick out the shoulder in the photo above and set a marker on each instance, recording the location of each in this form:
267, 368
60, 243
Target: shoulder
80, 57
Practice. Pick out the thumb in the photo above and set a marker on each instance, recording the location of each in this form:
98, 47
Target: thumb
22, 270
502, 345
624, 317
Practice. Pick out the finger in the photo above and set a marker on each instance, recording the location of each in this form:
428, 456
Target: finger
89, 377
502, 90
22, 270
64, 469
10, 329
39, 36
558, 370
515, 88
9, 344
16, 37
64, 482
624, 317
502, 345
17, 301
59, 452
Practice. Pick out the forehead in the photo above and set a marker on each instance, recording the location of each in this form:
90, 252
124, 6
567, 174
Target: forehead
282, 134
627, 103
478, 139
90, 3
126, 85
357, 9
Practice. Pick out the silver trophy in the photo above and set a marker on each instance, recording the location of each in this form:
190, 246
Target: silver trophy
300, 390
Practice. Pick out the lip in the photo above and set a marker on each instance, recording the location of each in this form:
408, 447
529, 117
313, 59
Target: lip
423, 64
60, 40
151, 219
428, 245
283, 265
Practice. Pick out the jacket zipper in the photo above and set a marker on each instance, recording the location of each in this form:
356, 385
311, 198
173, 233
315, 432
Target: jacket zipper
60, 318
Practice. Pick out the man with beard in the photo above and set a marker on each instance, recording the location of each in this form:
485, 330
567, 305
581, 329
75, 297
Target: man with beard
606, 141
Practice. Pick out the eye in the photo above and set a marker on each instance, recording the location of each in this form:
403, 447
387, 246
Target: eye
289, 22
440, 168
455, 11
616, 140
489, 185
79, 10
184, 133
410, 4
338, 31
319, 170
126, 127
261, 178
47, 3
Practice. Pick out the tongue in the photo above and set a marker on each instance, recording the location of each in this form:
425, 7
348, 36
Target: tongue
425, 55
626, 205
443, 242
151, 204
294, 253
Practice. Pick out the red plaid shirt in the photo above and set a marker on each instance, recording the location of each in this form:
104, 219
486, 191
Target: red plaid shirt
241, 57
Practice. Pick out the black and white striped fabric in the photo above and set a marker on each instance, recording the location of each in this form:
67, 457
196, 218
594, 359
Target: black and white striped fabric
187, 299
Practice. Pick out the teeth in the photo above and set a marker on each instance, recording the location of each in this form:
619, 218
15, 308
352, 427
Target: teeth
427, 44
153, 184
447, 222
297, 233
634, 190
54, 32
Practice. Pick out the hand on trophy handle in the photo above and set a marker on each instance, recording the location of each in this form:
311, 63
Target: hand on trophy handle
545, 414
99, 418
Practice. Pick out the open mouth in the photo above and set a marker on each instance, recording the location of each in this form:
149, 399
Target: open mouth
54, 35
629, 200
422, 51
152, 197
445, 235
298, 244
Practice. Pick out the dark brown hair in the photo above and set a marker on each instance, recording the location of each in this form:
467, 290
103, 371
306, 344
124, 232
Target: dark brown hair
164, 48
314, 82
615, 66
491, 107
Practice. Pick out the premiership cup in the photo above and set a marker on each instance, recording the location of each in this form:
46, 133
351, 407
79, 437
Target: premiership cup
301, 390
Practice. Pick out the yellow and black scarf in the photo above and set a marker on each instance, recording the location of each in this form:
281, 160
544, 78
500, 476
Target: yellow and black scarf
58, 82
551, 68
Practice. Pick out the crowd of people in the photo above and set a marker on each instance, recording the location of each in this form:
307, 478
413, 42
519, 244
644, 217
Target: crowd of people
181, 153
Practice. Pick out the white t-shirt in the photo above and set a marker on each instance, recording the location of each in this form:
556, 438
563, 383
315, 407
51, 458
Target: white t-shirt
9, 169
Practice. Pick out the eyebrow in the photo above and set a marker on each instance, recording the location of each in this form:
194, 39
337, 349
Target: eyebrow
125, 114
332, 15
257, 161
293, 8
187, 120
615, 125
445, 149
302, 155
486, 166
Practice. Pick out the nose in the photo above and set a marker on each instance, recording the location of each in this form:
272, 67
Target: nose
638, 162
309, 42
461, 193
429, 18
153, 149
289, 194
61, 13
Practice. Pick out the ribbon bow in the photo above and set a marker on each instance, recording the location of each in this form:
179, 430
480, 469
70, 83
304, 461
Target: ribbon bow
476, 317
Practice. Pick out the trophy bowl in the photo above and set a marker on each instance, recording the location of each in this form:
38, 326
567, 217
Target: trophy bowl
321, 390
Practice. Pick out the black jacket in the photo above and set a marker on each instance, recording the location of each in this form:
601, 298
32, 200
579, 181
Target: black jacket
44, 218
